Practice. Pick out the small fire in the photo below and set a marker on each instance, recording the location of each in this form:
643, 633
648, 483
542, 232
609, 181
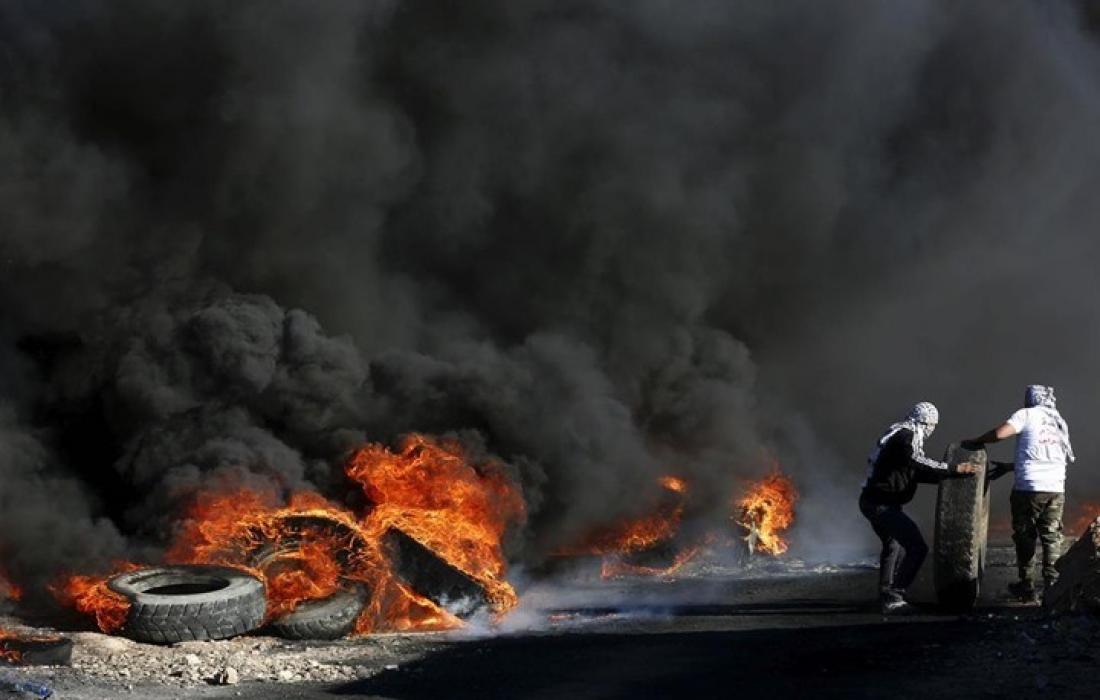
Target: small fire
619, 540
9, 590
91, 596
310, 547
766, 511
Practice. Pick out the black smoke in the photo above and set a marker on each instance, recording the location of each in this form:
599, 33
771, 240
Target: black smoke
610, 239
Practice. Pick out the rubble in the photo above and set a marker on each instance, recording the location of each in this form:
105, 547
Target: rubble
116, 662
1078, 586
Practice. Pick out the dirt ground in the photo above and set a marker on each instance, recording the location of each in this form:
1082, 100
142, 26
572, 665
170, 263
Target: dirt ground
774, 630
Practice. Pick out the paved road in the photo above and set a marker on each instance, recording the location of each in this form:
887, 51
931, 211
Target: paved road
815, 633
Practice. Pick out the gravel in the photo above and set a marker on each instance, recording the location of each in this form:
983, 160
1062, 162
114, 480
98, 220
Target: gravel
106, 666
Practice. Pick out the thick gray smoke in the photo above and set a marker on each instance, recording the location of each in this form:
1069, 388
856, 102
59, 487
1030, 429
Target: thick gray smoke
611, 239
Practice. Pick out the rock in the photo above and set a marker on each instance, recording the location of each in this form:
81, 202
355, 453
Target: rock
227, 676
1078, 586
192, 659
102, 643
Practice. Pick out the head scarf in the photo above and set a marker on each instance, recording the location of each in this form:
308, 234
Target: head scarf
921, 421
1040, 395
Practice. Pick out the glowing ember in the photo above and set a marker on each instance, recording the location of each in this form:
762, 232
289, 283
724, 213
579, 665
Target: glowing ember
615, 565
766, 511
91, 596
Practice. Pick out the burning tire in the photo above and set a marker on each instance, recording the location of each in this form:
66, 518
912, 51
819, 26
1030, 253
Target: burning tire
180, 603
962, 523
327, 618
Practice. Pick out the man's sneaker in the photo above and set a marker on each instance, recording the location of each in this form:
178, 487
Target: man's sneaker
897, 607
1024, 591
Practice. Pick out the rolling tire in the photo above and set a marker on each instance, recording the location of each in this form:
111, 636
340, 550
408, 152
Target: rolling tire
326, 618
962, 526
182, 603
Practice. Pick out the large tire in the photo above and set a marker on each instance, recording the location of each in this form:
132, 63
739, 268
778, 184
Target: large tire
181, 603
962, 526
331, 617
325, 618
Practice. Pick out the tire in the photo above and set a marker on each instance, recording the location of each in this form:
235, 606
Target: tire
326, 618
182, 603
962, 526
37, 651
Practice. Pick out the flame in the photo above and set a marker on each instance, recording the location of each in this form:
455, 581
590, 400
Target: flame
10, 653
91, 596
766, 511
310, 547
619, 540
429, 490
9, 590
615, 565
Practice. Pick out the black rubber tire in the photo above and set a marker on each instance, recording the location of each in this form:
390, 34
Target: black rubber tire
326, 618
182, 603
38, 651
962, 526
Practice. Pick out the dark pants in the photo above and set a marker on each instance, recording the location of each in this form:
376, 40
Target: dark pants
903, 548
1037, 514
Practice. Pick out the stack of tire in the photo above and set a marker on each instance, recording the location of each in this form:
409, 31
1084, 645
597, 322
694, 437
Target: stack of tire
192, 602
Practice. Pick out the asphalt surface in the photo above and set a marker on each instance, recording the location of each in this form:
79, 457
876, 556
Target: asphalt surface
774, 631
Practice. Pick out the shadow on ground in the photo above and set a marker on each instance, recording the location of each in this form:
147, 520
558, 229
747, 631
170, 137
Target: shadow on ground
856, 661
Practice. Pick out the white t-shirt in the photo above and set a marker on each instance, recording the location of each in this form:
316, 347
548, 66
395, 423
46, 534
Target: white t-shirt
1042, 449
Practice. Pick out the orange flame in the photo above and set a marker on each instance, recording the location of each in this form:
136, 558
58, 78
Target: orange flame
619, 540
91, 596
9, 590
429, 490
311, 547
766, 511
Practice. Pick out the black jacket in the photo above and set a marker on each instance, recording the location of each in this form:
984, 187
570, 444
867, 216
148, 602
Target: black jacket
897, 467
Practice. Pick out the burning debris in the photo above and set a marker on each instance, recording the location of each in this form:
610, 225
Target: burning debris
765, 512
319, 565
23, 649
653, 545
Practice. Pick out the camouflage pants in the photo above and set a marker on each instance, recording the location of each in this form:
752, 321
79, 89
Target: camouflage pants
1037, 514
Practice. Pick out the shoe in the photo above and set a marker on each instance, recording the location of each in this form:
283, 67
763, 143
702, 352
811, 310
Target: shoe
897, 607
1024, 591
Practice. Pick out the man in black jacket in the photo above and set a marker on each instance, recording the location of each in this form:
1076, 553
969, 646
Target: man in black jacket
896, 466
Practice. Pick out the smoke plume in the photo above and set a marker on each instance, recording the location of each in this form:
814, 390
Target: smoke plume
609, 240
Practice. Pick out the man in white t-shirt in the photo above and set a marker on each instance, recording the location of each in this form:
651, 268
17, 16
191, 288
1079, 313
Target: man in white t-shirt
1038, 496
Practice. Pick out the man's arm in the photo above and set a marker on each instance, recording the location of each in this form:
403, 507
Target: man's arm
1002, 432
930, 470
1000, 469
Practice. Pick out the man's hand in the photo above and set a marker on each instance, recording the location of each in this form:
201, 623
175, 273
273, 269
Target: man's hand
967, 468
999, 469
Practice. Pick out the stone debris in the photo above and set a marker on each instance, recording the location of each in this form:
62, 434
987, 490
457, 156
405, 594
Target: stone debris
1078, 587
107, 661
